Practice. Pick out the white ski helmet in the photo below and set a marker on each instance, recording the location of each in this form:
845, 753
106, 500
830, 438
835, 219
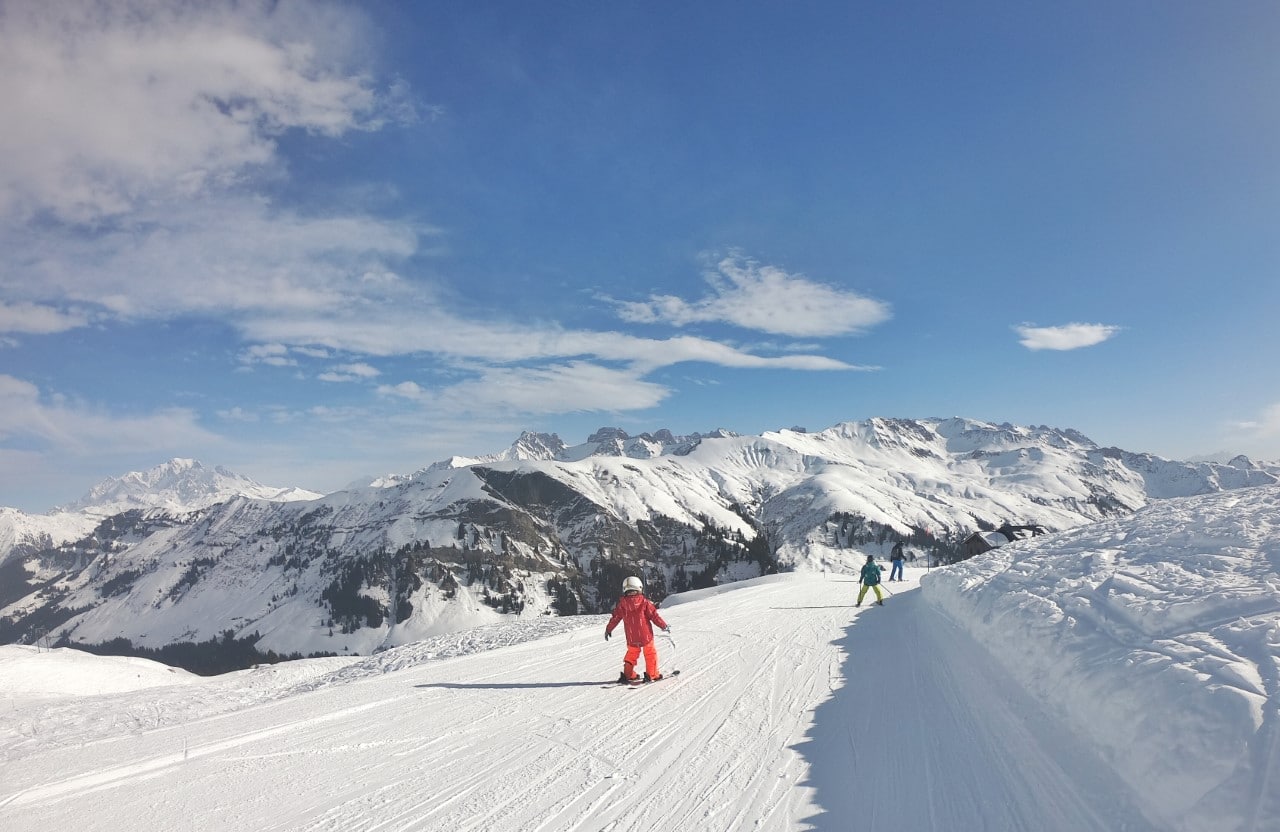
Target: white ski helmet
632, 584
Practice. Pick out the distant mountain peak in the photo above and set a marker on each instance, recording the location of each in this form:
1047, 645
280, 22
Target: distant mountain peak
179, 485
604, 442
609, 435
532, 445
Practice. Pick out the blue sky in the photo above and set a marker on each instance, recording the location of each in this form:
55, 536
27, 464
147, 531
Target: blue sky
313, 241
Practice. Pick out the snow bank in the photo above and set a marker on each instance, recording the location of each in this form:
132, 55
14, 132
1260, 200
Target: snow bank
712, 591
454, 645
1157, 637
26, 672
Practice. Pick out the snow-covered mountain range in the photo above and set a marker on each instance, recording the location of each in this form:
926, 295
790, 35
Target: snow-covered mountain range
546, 528
1120, 675
177, 487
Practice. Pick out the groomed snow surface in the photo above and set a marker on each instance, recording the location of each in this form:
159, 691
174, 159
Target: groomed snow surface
1122, 676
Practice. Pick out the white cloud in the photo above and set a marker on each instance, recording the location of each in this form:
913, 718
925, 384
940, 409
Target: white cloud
767, 299
661, 353
349, 372
37, 319
1266, 426
563, 388
552, 370
274, 355
237, 414
16, 390
1067, 337
324, 413
410, 390
111, 104
576, 386
401, 329
359, 369
135, 131
65, 426
224, 256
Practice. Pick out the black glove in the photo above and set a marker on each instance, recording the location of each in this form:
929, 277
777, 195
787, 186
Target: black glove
607, 634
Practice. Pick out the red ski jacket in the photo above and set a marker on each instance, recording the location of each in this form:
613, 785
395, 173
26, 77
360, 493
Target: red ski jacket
635, 612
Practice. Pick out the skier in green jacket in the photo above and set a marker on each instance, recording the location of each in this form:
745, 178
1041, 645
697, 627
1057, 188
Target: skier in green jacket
869, 577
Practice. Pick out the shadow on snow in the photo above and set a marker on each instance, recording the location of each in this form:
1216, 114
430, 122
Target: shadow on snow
512, 685
923, 731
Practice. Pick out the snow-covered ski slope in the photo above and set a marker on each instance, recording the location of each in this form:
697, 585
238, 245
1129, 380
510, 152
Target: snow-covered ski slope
793, 710
970, 705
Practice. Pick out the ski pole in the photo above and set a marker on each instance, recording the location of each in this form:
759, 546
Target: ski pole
886, 589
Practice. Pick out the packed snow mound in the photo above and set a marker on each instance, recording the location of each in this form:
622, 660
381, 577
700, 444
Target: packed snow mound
27, 672
1158, 636
453, 645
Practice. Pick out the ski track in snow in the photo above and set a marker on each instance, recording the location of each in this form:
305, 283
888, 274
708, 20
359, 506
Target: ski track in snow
793, 710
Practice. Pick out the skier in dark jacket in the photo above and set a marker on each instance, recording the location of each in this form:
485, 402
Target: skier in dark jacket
896, 558
635, 611
869, 577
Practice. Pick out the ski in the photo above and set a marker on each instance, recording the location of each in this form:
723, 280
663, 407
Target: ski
643, 681
640, 681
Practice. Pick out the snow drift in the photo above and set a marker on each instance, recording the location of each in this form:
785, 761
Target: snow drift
1157, 636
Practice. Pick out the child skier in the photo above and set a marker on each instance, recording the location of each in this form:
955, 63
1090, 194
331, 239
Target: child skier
870, 579
635, 611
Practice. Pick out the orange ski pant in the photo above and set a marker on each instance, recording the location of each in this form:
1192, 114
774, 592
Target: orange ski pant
650, 659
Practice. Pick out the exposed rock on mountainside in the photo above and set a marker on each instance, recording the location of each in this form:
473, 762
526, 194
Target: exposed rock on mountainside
547, 528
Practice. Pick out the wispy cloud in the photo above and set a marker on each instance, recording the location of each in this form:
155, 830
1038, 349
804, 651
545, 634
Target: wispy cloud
30, 418
237, 414
222, 256
273, 355
349, 372
1266, 426
135, 135
767, 299
1066, 337
404, 330
113, 104
561, 388
37, 319
138, 137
